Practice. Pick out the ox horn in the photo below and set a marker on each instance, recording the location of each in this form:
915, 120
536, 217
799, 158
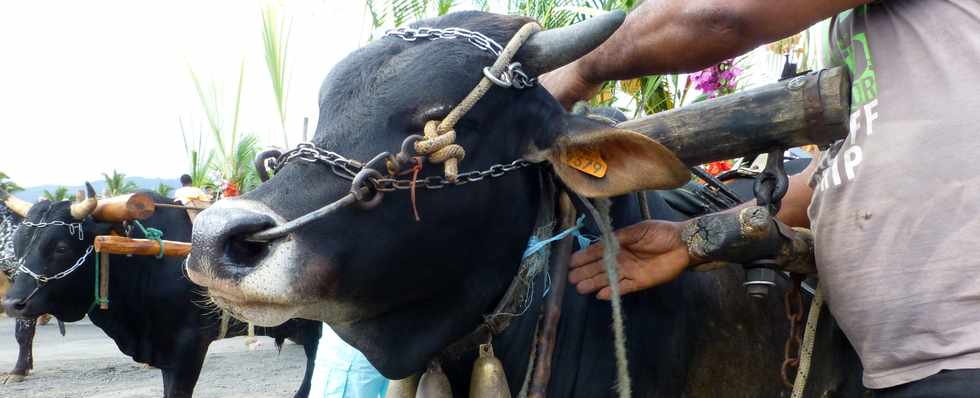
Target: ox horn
17, 205
551, 49
82, 209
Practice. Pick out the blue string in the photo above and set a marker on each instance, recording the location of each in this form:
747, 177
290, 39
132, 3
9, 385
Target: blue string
535, 245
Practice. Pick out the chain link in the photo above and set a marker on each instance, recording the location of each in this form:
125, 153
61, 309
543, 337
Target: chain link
348, 168
75, 228
44, 279
512, 76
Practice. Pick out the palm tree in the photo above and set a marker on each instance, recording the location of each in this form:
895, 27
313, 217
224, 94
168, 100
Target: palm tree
164, 190
116, 184
59, 194
8, 185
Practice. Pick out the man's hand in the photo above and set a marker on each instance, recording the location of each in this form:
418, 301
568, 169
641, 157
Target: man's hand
568, 85
651, 253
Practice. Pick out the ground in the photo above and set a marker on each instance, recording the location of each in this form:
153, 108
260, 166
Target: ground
86, 363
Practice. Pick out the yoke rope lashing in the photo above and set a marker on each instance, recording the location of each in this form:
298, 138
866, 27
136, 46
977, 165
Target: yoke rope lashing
152, 234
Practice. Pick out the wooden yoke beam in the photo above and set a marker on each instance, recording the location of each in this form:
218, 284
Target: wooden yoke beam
134, 206
140, 247
808, 109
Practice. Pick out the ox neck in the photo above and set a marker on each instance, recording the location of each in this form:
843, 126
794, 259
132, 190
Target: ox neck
519, 297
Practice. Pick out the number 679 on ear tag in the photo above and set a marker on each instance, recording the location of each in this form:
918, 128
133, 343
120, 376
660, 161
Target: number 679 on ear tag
588, 161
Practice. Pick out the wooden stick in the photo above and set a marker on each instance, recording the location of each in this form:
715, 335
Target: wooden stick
104, 281
141, 247
560, 258
794, 112
134, 206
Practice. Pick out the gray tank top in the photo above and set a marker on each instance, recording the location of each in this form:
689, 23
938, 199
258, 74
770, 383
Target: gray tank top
896, 208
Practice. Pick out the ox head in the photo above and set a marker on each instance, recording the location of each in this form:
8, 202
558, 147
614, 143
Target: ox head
397, 289
52, 238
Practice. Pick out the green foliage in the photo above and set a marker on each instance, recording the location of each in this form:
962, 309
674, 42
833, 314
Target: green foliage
403, 12
233, 154
58, 195
201, 159
275, 38
8, 185
165, 190
116, 184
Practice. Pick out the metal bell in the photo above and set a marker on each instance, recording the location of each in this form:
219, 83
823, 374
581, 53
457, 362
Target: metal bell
488, 379
434, 383
403, 388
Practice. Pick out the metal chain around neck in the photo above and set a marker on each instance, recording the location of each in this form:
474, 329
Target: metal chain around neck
513, 76
42, 279
348, 169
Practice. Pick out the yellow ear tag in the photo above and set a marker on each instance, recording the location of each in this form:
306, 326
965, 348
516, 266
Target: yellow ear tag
588, 161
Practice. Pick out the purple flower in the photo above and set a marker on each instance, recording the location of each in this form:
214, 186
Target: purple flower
716, 80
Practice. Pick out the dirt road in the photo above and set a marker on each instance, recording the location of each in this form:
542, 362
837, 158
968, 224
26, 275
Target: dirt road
86, 363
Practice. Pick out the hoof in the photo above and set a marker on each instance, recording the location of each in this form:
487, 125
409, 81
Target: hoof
8, 378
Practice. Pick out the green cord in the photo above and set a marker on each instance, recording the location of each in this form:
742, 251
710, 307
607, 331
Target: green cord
97, 300
153, 234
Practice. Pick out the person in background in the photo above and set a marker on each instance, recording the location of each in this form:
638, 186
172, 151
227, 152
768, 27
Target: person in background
188, 193
895, 239
341, 371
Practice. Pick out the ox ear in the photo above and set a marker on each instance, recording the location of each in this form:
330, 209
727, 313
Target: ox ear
597, 160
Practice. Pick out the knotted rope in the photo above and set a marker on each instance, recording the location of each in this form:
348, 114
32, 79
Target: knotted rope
439, 142
152, 234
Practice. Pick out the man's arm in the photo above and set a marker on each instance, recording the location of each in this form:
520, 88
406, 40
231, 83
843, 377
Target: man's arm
674, 36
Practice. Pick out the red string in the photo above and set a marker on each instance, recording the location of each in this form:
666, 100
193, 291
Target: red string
415, 174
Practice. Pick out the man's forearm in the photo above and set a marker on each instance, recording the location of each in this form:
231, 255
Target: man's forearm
672, 36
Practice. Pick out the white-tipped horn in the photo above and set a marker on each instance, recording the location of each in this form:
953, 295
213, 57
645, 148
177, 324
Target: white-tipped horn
82, 209
17, 205
551, 49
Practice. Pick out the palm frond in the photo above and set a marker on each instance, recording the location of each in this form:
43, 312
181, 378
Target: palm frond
275, 38
58, 195
8, 185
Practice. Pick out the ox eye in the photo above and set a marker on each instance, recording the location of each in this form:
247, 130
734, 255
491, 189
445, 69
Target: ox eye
60, 249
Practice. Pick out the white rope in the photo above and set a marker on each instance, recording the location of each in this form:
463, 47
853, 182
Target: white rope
610, 249
806, 351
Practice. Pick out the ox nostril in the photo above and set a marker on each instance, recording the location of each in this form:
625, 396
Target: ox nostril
13, 305
237, 251
245, 253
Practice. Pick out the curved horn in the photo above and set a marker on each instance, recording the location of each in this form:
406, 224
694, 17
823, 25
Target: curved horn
17, 205
82, 209
551, 49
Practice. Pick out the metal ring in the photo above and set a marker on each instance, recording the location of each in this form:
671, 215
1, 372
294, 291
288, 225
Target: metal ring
361, 181
261, 162
503, 81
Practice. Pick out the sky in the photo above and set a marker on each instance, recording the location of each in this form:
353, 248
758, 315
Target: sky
88, 86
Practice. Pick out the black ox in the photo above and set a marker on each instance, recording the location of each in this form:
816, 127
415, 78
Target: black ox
401, 291
155, 315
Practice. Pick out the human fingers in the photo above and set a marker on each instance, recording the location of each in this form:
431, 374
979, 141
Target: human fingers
592, 284
626, 286
586, 271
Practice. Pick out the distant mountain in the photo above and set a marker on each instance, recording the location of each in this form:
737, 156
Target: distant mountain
32, 194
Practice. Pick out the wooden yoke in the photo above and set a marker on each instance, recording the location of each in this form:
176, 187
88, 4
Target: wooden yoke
808, 109
140, 247
134, 206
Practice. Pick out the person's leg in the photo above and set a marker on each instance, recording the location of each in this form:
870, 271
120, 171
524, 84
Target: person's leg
962, 383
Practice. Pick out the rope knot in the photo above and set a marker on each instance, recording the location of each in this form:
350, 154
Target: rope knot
440, 146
